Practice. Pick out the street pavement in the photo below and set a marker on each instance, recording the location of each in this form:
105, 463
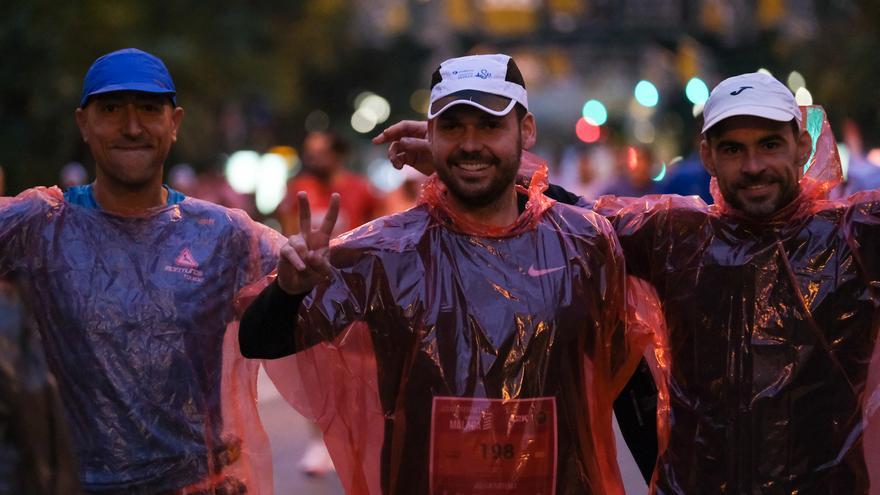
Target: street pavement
289, 434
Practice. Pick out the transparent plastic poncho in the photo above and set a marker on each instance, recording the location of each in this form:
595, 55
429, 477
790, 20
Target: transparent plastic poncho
135, 313
766, 354
441, 353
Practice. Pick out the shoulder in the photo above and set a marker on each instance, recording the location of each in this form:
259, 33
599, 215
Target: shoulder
37, 199
233, 220
574, 219
398, 232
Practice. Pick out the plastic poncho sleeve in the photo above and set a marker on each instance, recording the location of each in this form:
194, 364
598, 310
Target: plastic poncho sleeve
15, 215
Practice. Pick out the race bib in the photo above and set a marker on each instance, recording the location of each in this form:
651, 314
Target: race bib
493, 446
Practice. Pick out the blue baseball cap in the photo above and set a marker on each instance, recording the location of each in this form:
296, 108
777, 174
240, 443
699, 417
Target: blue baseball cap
128, 69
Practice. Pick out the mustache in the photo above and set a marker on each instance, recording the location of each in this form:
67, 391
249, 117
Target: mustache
462, 156
760, 179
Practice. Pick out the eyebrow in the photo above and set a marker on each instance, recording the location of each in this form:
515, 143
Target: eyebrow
730, 142
771, 137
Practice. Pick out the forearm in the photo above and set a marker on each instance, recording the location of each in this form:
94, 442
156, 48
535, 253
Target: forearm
268, 326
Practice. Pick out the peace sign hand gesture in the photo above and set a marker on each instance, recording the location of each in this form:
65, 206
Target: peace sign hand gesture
304, 260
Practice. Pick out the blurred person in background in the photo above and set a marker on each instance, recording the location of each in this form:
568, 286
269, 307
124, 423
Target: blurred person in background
404, 196
688, 176
131, 285
35, 453
862, 174
323, 173
72, 174
211, 185
634, 170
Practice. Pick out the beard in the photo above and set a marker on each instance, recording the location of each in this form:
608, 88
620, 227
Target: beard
479, 196
787, 191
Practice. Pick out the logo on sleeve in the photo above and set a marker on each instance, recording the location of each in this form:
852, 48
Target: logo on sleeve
186, 265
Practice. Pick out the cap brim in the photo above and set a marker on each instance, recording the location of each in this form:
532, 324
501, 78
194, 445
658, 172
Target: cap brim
751, 111
142, 87
490, 103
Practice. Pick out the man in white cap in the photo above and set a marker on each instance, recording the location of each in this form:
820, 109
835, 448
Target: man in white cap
494, 314
766, 356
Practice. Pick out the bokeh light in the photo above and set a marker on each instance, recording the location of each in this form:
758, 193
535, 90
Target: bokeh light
242, 168
632, 158
380, 107
696, 91
644, 132
594, 112
363, 120
419, 100
843, 153
587, 132
384, 176
661, 175
271, 182
796, 81
646, 93
803, 97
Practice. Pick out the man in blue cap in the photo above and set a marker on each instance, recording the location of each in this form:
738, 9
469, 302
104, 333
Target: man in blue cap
132, 283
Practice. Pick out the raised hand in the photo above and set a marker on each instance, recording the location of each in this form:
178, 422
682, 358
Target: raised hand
409, 145
304, 260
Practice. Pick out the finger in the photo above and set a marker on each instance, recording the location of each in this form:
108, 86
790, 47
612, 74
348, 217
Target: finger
332, 213
396, 156
318, 262
404, 128
305, 213
298, 244
289, 254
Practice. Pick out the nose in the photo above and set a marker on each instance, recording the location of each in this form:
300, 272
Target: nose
470, 140
131, 126
752, 164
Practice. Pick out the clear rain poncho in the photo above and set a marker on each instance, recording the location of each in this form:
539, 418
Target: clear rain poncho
133, 313
766, 358
448, 357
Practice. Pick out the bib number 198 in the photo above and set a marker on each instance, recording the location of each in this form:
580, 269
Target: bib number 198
493, 446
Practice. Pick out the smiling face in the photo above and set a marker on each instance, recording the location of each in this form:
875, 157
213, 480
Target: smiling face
756, 161
477, 154
129, 134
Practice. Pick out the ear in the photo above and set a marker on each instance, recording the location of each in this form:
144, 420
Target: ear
176, 119
706, 157
81, 119
528, 130
804, 147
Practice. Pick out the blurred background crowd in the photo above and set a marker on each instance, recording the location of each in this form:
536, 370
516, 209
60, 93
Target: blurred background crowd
616, 85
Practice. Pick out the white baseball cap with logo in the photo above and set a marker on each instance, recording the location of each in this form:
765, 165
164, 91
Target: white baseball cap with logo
492, 83
756, 94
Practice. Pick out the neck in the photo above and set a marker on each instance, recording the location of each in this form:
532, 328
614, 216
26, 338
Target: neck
117, 198
499, 213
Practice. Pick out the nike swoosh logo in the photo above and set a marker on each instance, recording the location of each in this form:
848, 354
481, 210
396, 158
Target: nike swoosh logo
740, 90
534, 272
